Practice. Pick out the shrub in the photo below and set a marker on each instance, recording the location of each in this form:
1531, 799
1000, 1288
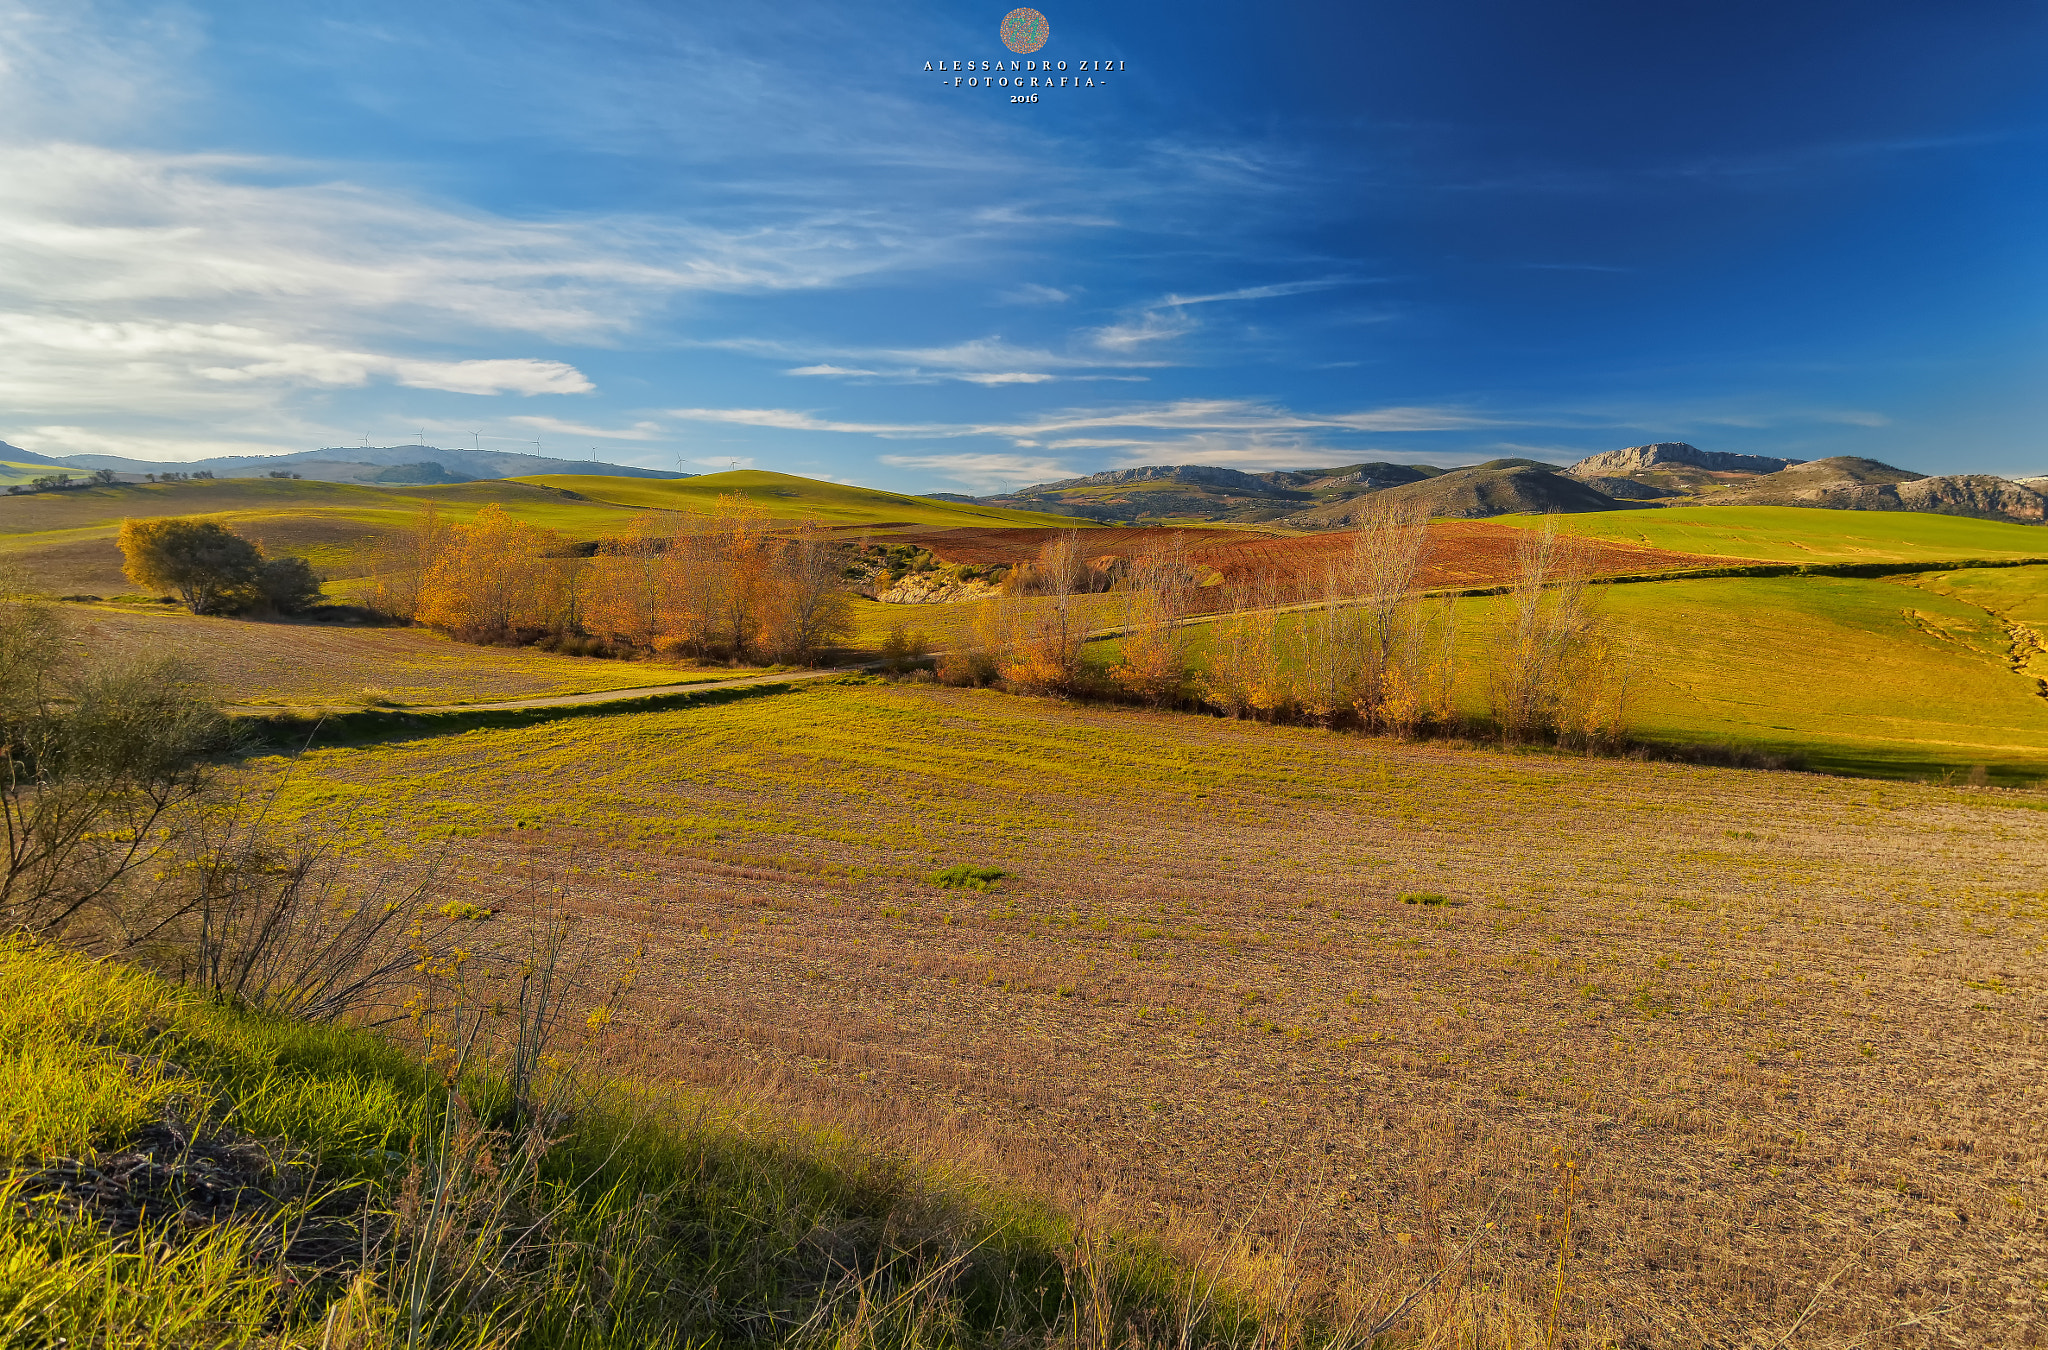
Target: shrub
212, 569
967, 877
287, 585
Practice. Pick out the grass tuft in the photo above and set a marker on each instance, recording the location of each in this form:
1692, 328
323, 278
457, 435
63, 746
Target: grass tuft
967, 877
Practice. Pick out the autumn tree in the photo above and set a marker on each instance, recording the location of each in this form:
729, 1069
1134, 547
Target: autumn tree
808, 608
400, 562
496, 576
1557, 667
1160, 590
1044, 647
625, 588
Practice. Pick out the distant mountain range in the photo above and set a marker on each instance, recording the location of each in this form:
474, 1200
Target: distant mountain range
387, 464
1667, 473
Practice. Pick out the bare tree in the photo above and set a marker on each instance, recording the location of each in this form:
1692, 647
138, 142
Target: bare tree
1160, 592
1548, 676
95, 766
1045, 653
810, 608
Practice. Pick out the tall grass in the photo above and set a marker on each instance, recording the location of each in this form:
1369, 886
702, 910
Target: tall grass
384, 1198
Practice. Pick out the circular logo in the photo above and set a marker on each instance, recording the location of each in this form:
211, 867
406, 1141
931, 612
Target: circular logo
1025, 31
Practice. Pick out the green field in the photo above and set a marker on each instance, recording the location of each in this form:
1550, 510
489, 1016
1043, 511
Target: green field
2017, 595
1868, 677
1858, 676
1805, 534
11, 472
65, 539
788, 497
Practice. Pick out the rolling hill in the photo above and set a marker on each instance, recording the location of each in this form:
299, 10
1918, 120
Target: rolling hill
357, 464
65, 540
790, 498
1660, 475
1198, 493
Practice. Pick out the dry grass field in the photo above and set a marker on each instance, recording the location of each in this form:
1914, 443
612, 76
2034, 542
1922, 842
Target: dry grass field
1722, 1057
302, 664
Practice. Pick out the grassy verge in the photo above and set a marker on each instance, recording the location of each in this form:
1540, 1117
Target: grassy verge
182, 1173
290, 729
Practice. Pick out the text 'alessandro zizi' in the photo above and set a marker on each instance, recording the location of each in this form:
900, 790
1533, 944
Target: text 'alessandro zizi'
1024, 74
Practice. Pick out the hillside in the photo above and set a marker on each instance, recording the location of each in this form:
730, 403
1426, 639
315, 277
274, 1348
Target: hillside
1852, 484
1494, 488
65, 540
1807, 534
1193, 493
362, 464
789, 497
1662, 475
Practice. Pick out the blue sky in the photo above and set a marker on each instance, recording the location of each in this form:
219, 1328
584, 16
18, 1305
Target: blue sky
1280, 236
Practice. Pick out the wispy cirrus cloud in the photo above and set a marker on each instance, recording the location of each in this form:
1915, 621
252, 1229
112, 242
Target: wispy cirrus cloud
1167, 317
1056, 429
986, 473
639, 431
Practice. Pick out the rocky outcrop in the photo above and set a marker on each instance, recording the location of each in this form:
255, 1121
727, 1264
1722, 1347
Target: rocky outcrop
1668, 454
1975, 494
1849, 483
943, 587
1627, 489
1206, 475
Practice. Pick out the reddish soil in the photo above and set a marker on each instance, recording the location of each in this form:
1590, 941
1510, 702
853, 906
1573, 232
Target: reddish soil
985, 545
1461, 552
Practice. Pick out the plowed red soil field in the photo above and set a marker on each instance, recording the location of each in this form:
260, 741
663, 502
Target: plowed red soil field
1461, 553
985, 546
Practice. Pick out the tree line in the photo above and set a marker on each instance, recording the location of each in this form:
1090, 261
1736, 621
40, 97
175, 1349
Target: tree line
717, 586
1356, 645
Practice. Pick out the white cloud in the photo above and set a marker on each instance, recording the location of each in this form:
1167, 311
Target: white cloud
639, 431
1167, 317
51, 361
1031, 293
784, 419
987, 472
1185, 416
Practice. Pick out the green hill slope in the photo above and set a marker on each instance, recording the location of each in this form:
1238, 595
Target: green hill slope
65, 540
788, 497
1807, 534
1909, 678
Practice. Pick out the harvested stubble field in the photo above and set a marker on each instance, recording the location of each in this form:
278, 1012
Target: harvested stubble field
305, 664
1787, 1029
